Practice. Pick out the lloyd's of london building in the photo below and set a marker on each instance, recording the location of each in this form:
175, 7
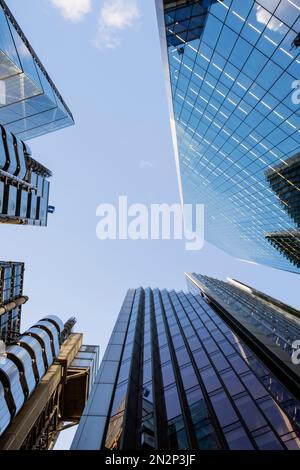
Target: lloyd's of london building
46, 373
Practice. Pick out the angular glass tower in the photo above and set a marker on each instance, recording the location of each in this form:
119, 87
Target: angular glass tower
30, 104
197, 371
231, 74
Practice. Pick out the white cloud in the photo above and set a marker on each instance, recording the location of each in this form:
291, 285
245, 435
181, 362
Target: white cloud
145, 164
73, 10
115, 16
263, 17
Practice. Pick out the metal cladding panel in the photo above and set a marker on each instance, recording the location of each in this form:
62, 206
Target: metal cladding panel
33, 206
5, 416
44, 336
24, 203
24, 357
2, 153
1, 196
37, 353
12, 373
58, 322
40, 181
21, 157
13, 165
12, 201
53, 330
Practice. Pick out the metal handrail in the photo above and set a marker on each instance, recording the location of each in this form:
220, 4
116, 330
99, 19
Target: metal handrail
16, 179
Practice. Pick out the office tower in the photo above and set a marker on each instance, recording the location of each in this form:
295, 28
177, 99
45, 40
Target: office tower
45, 379
208, 369
30, 104
24, 184
287, 243
284, 179
231, 75
11, 300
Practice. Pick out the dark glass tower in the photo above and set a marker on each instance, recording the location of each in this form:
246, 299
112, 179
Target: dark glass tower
191, 371
288, 244
284, 179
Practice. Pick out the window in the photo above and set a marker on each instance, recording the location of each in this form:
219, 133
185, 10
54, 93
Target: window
251, 414
238, 364
189, 378
201, 359
164, 355
173, 407
219, 361
277, 417
223, 409
254, 386
168, 374
238, 440
182, 356
210, 380
206, 436
232, 383
268, 441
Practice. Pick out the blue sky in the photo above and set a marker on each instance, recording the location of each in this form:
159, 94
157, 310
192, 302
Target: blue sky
104, 57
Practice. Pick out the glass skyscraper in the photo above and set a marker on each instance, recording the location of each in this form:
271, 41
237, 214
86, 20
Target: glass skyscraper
208, 369
30, 104
232, 76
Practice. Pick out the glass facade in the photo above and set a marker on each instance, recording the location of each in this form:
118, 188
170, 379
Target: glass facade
177, 375
30, 104
235, 118
11, 288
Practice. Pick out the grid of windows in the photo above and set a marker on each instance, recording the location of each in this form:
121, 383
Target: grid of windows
288, 244
236, 119
11, 287
284, 180
279, 327
186, 380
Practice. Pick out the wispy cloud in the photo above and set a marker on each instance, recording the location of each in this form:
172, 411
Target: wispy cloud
73, 10
145, 164
263, 17
115, 17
